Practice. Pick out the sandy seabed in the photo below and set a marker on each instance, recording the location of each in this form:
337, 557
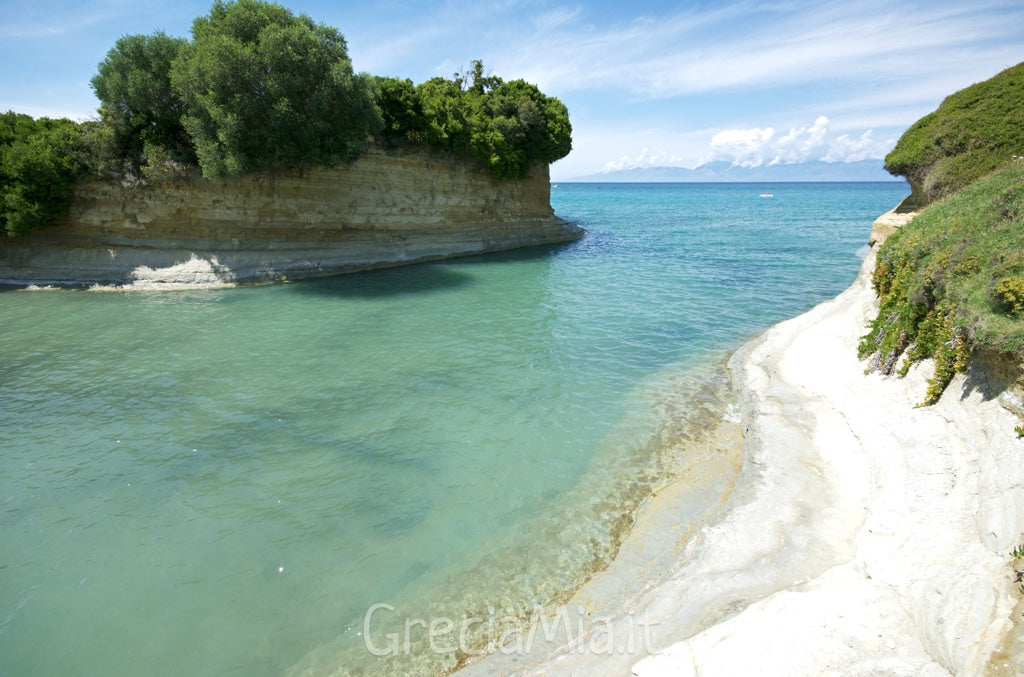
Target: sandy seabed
864, 535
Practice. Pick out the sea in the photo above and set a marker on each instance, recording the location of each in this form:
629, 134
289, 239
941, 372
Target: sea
359, 474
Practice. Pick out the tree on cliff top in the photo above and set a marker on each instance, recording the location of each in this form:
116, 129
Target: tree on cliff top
506, 125
133, 85
520, 126
259, 88
972, 132
264, 88
40, 163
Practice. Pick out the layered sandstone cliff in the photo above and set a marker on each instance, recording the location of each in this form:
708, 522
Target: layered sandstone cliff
388, 208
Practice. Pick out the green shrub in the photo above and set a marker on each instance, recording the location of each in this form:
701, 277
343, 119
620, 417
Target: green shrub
1009, 293
949, 282
401, 111
40, 163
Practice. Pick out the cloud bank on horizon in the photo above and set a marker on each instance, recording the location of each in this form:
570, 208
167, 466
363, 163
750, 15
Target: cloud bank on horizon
759, 147
738, 80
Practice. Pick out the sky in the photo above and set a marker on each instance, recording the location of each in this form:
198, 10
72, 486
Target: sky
646, 82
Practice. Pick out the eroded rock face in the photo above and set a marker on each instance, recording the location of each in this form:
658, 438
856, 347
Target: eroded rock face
889, 222
388, 208
1005, 375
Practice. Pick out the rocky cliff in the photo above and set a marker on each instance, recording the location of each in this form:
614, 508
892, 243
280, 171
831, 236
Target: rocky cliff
386, 209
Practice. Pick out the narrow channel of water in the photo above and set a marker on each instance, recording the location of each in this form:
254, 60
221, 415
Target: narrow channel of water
225, 482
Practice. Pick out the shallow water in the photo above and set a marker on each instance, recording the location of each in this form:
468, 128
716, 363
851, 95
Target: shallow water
224, 482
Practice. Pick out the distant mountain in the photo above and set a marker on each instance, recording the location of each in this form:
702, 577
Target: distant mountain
865, 170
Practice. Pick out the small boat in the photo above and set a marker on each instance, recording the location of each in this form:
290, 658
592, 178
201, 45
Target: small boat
767, 195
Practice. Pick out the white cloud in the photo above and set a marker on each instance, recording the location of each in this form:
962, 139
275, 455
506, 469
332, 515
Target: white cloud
865, 147
600, 146
645, 159
742, 45
763, 146
741, 146
556, 18
756, 147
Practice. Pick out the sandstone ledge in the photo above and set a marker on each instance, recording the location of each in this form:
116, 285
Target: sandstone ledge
386, 209
891, 221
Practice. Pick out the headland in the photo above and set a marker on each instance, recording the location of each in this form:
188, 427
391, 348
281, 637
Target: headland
385, 209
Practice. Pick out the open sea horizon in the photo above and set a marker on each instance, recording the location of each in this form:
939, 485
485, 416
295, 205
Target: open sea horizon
226, 482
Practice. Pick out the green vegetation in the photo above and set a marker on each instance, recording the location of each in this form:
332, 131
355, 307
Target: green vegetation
1010, 293
138, 104
263, 88
40, 161
259, 88
950, 282
1018, 553
506, 125
973, 132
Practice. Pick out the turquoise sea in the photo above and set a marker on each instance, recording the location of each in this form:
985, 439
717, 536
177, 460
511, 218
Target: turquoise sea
224, 482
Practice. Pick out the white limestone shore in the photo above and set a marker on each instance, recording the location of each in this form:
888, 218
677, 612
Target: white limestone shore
864, 536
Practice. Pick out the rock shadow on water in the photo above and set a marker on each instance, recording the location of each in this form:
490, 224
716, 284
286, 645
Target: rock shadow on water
533, 253
419, 278
389, 282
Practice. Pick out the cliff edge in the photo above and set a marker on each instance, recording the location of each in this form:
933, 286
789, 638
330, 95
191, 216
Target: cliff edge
388, 208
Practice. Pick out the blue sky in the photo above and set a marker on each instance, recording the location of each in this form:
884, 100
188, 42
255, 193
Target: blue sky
646, 82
